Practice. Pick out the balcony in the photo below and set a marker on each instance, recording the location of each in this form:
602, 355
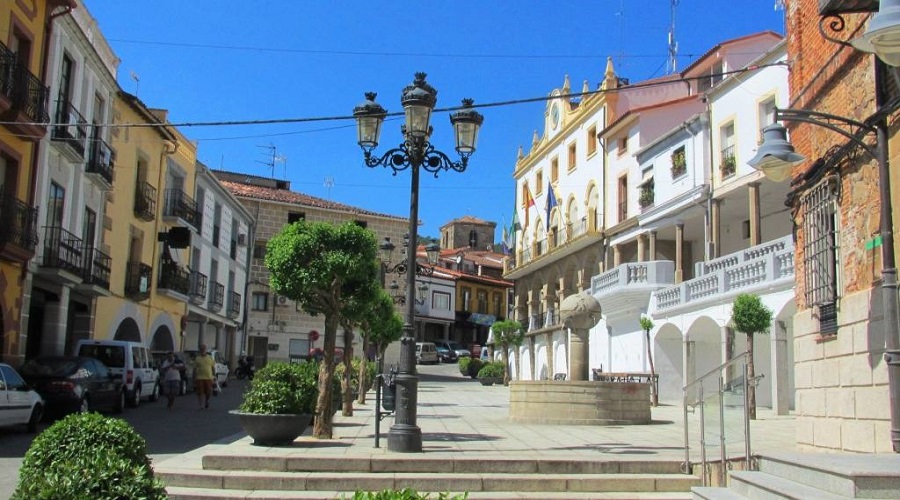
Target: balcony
95, 275
100, 162
18, 233
763, 267
619, 289
578, 235
216, 296
63, 255
542, 319
23, 98
234, 305
174, 280
180, 208
728, 162
70, 131
198, 287
137, 281
145, 201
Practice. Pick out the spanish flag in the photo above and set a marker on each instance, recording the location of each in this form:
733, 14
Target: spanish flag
528, 201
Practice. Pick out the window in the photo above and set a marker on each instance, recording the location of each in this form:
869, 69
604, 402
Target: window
623, 198
539, 180
482, 302
554, 170
766, 115
473, 238
361, 223
622, 145
295, 216
89, 229
713, 76
591, 140
820, 252
259, 249
679, 163
466, 296
498, 304
55, 205
66, 75
573, 150
727, 160
217, 225
260, 301
440, 301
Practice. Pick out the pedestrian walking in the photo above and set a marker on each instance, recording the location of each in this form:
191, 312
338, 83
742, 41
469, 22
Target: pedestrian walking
171, 368
204, 371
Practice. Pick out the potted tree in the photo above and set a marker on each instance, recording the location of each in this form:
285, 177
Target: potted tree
491, 373
750, 316
647, 325
507, 333
280, 403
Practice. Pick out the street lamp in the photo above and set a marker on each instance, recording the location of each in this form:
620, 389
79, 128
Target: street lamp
418, 100
776, 156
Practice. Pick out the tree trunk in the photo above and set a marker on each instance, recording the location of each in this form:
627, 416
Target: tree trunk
654, 392
504, 354
346, 384
323, 427
751, 385
363, 361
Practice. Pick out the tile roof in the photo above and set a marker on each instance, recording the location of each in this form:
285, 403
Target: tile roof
243, 190
468, 219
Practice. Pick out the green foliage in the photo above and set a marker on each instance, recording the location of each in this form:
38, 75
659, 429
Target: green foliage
474, 367
280, 388
463, 365
750, 315
88, 456
383, 325
646, 323
493, 369
404, 494
508, 332
354, 373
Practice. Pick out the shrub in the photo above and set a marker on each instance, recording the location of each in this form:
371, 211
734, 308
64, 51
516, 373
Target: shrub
464, 366
474, 366
282, 387
354, 375
405, 494
491, 370
88, 456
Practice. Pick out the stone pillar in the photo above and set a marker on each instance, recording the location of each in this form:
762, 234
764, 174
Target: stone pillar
617, 256
652, 236
641, 247
781, 390
579, 313
551, 353
56, 315
532, 357
690, 368
679, 252
755, 229
714, 229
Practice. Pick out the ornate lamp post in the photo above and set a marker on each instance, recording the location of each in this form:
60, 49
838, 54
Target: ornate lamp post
418, 100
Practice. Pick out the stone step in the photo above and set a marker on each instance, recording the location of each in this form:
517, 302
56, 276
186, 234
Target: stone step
179, 493
715, 493
435, 464
850, 476
425, 481
765, 486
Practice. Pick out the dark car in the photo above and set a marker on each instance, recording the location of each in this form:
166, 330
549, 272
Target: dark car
445, 355
72, 384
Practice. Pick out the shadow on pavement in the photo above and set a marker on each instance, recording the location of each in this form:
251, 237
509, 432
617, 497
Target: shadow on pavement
455, 436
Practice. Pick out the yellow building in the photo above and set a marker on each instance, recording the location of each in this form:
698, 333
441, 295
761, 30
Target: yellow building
24, 103
149, 283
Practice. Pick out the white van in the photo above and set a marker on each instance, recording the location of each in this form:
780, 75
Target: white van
130, 360
426, 353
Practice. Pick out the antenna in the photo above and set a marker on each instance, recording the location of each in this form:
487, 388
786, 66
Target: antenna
673, 45
274, 158
329, 182
137, 82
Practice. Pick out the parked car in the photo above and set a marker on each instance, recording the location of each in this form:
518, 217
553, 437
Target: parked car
445, 355
70, 384
187, 375
426, 353
19, 403
221, 368
456, 349
131, 361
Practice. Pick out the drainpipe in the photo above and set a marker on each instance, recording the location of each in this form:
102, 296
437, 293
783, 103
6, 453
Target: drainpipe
171, 147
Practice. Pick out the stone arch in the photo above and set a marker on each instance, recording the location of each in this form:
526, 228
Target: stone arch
668, 359
128, 329
592, 204
163, 340
706, 352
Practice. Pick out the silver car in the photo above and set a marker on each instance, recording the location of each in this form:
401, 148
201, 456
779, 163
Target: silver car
19, 404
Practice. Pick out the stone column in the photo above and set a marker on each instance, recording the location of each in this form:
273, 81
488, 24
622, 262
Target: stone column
679, 255
755, 229
641, 247
532, 357
551, 353
579, 313
714, 228
781, 390
690, 369
652, 236
617, 256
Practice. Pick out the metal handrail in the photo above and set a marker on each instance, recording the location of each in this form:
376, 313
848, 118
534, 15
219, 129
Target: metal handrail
698, 383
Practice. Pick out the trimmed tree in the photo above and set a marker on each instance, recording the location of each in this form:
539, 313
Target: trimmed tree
647, 325
507, 333
324, 268
750, 317
380, 326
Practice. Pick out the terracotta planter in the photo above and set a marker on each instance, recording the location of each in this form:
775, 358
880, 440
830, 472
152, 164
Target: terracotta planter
273, 430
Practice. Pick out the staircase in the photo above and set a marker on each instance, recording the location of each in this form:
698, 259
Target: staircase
819, 476
301, 474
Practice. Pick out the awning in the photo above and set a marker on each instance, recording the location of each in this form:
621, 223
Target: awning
482, 319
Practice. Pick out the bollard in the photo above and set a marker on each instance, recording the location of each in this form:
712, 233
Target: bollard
385, 398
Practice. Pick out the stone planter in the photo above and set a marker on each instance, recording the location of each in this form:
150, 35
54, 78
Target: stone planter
273, 430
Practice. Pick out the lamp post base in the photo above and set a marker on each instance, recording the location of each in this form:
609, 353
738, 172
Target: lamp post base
405, 439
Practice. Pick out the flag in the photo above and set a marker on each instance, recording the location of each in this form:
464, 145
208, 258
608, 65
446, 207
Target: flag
504, 240
529, 202
551, 202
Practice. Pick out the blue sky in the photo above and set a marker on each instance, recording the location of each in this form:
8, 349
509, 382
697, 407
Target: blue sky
235, 60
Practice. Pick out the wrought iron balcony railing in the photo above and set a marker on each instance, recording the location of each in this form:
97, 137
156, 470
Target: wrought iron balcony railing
180, 205
198, 287
96, 267
174, 277
62, 250
71, 127
101, 161
27, 93
234, 305
145, 201
216, 296
19, 227
137, 280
